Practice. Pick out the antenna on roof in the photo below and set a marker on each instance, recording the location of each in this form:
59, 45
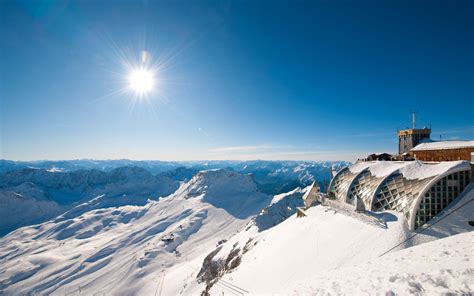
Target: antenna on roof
413, 118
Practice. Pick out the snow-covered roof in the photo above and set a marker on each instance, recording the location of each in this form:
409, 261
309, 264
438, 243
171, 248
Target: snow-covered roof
443, 145
378, 169
392, 185
409, 169
359, 166
422, 170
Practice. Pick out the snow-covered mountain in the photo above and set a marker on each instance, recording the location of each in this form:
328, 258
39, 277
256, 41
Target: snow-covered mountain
219, 233
130, 249
25, 204
32, 196
63, 184
272, 177
65, 187
87, 164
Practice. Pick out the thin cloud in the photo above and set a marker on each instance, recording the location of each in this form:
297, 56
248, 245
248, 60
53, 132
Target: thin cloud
294, 155
282, 152
241, 149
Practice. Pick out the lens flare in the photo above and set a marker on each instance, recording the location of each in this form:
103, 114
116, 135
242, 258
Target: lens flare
141, 81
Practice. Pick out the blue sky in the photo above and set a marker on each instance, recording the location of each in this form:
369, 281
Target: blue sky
237, 79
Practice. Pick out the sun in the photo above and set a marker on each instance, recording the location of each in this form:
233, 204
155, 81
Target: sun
141, 81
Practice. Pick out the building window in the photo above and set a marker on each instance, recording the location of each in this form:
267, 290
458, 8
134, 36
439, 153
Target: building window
340, 184
433, 203
398, 193
363, 189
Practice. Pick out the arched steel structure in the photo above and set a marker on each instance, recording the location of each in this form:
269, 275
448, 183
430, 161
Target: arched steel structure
437, 195
418, 190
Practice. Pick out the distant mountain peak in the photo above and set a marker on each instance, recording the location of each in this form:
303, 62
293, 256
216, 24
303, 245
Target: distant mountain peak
217, 181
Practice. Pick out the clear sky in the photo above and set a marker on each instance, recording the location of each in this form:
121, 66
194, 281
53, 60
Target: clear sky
235, 79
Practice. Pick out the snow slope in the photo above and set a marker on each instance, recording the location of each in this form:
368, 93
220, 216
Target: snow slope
440, 267
336, 251
25, 204
298, 248
130, 249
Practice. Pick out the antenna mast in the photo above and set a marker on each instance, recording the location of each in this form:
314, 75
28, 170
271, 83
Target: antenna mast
413, 118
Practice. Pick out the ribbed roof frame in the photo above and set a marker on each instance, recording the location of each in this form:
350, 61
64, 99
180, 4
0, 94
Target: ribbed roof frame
419, 197
416, 204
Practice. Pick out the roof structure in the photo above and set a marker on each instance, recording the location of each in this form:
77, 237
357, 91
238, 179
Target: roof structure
398, 185
410, 169
443, 145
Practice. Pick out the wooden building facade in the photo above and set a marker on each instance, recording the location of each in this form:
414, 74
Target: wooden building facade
443, 155
443, 151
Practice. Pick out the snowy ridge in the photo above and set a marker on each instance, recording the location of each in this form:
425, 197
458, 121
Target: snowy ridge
272, 177
52, 193
281, 208
68, 187
215, 182
240, 198
228, 254
68, 183
25, 204
126, 249
300, 247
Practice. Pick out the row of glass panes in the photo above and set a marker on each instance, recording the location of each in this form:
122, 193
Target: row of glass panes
440, 196
397, 189
341, 184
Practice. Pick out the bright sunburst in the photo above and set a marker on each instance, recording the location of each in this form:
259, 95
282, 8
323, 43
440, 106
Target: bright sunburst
139, 77
141, 81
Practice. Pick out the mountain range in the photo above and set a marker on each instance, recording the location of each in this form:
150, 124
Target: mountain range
184, 231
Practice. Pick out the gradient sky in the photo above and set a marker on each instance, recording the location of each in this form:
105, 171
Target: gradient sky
239, 79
